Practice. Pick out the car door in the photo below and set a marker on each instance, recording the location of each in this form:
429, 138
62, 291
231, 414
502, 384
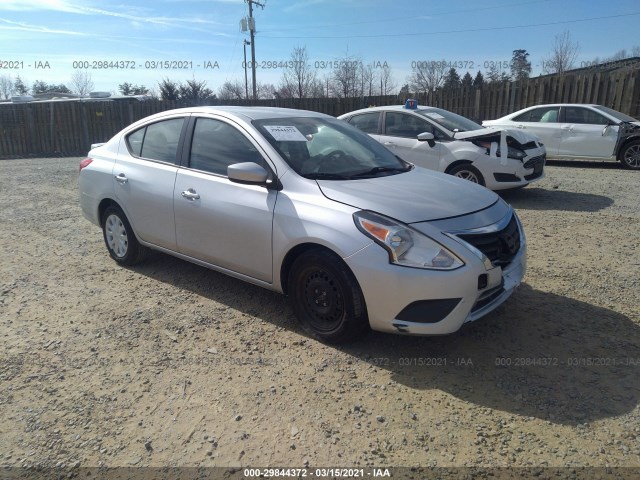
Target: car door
144, 177
543, 122
400, 133
218, 221
584, 134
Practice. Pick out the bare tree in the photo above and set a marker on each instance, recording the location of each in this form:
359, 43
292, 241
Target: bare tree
265, 91
346, 77
387, 83
298, 78
368, 77
81, 82
427, 75
563, 55
231, 91
6, 87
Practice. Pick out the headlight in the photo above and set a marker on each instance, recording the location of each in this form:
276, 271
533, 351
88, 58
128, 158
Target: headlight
512, 152
406, 247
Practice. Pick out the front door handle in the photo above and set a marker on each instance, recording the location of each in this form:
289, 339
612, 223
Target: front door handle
389, 144
521, 126
121, 178
190, 194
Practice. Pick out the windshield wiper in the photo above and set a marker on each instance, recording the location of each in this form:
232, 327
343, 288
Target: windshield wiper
325, 176
376, 170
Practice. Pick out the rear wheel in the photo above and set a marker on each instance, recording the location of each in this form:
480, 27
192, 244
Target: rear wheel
121, 242
326, 297
630, 155
468, 172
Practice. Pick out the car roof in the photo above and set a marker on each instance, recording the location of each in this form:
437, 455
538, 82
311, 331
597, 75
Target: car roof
247, 113
563, 105
400, 108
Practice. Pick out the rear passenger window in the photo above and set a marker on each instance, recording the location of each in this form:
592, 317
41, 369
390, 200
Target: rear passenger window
541, 115
161, 140
158, 141
134, 141
367, 122
216, 145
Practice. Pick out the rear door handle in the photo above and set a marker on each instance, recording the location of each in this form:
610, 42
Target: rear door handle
190, 194
520, 126
121, 178
389, 144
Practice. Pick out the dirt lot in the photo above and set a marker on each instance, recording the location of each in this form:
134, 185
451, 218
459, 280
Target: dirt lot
171, 364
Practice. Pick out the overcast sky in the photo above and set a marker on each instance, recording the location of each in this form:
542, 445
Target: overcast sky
53, 34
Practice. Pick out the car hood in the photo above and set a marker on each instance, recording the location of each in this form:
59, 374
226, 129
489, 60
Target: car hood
415, 196
521, 137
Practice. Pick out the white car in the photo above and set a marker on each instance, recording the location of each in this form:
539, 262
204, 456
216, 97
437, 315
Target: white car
444, 141
580, 132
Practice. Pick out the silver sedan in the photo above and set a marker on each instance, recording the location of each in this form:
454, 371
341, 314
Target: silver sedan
307, 205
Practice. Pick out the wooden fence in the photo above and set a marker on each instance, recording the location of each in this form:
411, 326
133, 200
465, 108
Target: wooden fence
60, 128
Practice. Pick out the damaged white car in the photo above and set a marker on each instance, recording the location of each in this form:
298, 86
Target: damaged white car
441, 140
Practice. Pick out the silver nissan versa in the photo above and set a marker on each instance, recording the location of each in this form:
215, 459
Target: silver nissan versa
307, 205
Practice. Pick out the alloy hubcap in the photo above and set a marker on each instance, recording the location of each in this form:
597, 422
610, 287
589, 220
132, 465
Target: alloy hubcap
632, 156
467, 175
116, 235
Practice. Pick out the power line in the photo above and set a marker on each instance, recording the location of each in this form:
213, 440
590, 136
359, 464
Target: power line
430, 14
442, 32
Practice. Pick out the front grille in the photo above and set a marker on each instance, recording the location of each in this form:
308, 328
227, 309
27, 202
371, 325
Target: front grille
537, 163
505, 177
499, 247
531, 163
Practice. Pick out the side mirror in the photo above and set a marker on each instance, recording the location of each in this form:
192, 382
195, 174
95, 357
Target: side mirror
247, 172
606, 127
427, 137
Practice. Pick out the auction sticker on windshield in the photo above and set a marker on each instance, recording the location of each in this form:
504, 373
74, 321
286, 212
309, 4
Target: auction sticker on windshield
283, 133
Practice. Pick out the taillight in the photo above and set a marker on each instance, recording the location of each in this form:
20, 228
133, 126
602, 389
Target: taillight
85, 163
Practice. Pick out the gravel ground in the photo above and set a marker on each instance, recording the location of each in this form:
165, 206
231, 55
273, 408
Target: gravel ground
169, 364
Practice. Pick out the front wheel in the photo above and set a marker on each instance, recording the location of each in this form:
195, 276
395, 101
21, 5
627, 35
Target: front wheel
468, 172
326, 297
119, 238
630, 155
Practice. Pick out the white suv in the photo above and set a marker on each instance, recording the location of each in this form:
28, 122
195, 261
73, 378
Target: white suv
444, 141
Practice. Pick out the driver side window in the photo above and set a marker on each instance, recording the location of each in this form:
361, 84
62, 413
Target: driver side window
216, 145
405, 125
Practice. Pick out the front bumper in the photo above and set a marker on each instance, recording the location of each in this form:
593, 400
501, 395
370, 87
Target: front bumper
389, 289
516, 173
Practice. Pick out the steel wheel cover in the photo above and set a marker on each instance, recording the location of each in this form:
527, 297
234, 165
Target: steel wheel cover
116, 235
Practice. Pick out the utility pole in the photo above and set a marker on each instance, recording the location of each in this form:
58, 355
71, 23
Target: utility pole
246, 82
252, 31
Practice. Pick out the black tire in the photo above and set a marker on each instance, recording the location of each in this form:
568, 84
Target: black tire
326, 297
468, 172
630, 155
121, 242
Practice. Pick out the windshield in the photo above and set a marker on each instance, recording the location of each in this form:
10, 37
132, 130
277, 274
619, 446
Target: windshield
615, 114
330, 149
449, 120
